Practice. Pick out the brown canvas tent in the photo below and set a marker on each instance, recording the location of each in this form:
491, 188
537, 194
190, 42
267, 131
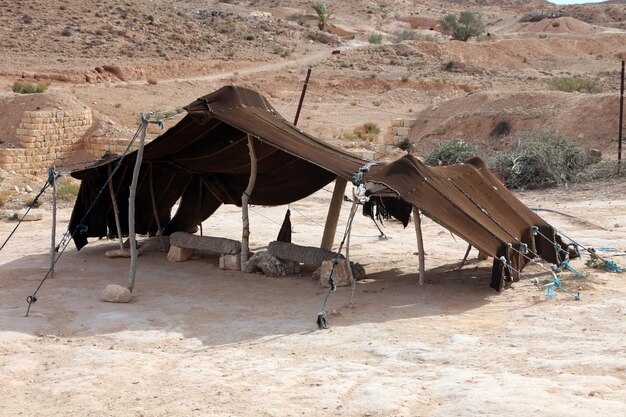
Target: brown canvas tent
203, 161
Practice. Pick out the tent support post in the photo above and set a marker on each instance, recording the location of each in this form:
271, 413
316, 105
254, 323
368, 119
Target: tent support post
334, 210
420, 242
245, 200
131, 206
469, 248
116, 210
53, 177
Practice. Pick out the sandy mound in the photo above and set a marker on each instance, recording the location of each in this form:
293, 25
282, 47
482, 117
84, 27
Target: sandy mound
582, 118
560, 25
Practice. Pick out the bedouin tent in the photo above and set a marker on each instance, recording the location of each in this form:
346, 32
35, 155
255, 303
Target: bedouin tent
203, 160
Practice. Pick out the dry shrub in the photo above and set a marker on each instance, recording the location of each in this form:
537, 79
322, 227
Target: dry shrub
5, 197
25, 87
451, 153
571, 84
541, 159
367, 131
67, 189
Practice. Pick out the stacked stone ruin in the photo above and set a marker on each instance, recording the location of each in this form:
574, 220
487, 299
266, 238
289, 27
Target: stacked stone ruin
45, 137
51, 137
398, 131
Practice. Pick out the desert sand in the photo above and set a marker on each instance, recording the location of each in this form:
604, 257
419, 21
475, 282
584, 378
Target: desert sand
200, 341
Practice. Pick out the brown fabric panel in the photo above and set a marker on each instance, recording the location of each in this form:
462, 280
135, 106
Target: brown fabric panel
441, 201
484, 196
545, 247
195, 206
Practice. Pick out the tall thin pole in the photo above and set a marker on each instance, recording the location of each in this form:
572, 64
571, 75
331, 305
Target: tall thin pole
621, 121
306, 83
245, 199
420, 242
131, 205
116, 211
53, 253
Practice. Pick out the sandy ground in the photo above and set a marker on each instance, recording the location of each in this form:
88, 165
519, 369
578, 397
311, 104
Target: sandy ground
199, 341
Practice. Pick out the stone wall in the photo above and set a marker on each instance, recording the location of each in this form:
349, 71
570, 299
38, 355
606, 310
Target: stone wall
45, 138
98, 146
398, 131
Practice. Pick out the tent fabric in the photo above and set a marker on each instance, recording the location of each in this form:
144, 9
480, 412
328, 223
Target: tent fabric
471, 202
203, 162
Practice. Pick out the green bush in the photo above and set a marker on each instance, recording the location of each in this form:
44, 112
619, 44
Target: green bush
451, 153
376, 38
463, 27
571, 84
67, 189
541, 159
24, 87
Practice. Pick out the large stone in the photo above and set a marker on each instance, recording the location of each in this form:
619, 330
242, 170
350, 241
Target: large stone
155, 244
178, 254
205, 243
114, 293
271, 266
307, 255
341, 275
33, 215
118, 253
230, 262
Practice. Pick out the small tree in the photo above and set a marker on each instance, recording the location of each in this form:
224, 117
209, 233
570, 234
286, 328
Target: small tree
464, 27
323, 15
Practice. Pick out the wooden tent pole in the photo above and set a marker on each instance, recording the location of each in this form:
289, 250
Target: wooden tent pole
131, 206
467, 252
53, 253
334, 210
116, 210
420, 242
245, 200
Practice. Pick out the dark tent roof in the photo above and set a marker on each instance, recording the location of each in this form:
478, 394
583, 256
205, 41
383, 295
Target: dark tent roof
204, 161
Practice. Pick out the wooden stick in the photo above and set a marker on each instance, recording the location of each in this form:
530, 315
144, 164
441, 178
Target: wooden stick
116, 210
245, 199
469, 248
53, 253
420, 242
333, 214
131, 207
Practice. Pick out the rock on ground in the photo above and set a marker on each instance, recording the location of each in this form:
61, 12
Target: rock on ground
114, 293
271, 265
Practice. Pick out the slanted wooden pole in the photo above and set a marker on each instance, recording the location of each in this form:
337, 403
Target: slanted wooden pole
334, 210
467, 252
131, 205
306, 84
245, 199
621, 121
53, 253
116, 210
420, 242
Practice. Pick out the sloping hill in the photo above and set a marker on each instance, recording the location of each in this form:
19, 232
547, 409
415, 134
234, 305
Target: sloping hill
589, 120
